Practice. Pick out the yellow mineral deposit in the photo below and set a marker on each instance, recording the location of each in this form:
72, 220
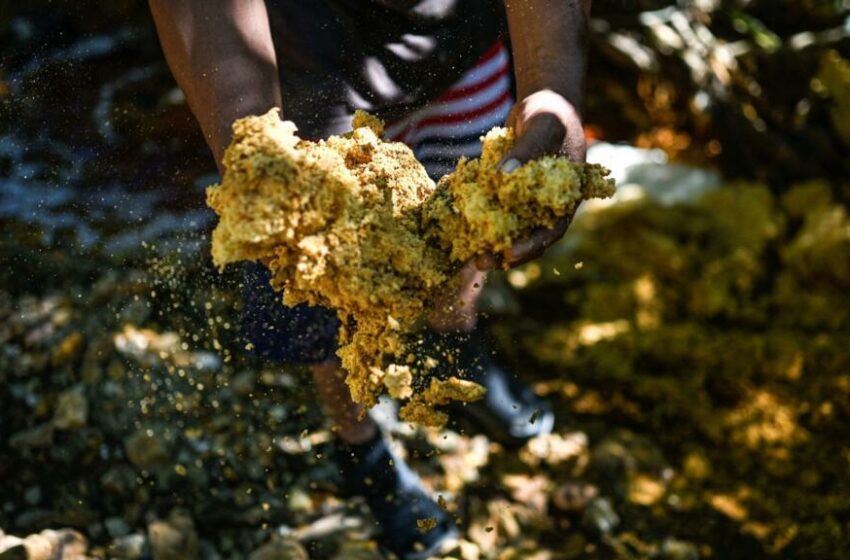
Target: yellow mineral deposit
355, 224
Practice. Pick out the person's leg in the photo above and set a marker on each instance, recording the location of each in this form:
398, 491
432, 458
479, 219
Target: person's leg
510, 411
369, 468
348, 418
303, 335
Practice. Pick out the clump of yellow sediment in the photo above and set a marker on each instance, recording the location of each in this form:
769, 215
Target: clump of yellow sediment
354, 223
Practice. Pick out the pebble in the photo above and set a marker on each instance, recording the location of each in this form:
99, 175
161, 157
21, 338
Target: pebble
360, 550
36, 517
62, 544
132, 547
282, 549
574, 496
10, 546
118, 480
67, 349
555, 449
645, 490
600, 516
672, 549
243, 383
299, 501
174, 538
72, 409
116, 527
145, 450
32, 495
574, 546
15, 551
33, 438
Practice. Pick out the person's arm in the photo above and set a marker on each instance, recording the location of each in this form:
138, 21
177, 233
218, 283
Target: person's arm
548, 38
222, 55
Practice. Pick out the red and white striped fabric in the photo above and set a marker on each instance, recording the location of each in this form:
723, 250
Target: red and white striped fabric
452, 125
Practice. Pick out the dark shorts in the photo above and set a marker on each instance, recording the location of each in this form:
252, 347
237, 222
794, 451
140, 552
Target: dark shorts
439, 134
300, 334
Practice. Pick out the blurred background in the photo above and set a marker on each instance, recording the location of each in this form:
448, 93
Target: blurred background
694, 333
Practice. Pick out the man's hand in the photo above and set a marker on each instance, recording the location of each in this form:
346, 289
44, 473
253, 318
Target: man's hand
545, 123
548, 38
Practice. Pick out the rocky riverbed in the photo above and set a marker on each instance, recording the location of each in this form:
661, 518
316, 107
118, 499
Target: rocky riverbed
695, 351
693, 334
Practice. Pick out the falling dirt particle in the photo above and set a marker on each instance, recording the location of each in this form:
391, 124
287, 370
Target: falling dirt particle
579, 265
425, 525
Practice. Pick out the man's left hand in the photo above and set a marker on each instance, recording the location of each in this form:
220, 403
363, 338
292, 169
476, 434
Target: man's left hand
545, 123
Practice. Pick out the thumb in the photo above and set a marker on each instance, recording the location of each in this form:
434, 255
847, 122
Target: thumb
542, 135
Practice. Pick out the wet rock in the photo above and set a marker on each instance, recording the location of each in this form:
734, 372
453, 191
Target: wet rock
574, 546
672, 549
600, 516
8, 541
32, 495
32, 518
71, 543
75, 513
463, 459
72, 409
299, 501
208, 551
146, 346
696, 465
611, 463
531, 491
118, 480
205, 360
15, 551
150, 348
33, 438
555, 449
64, 544
129, 546
283, 549
116, 527
359, 550
68, 349
645, 490
8, 546
574, 496
145, 450
243, 383
328, 528
95, 531
620, 456
174, 538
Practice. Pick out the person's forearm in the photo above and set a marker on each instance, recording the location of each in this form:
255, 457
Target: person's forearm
548, 39
222, 55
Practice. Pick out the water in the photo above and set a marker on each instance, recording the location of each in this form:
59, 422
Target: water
96, 142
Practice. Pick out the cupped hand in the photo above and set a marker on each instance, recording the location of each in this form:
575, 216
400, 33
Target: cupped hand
545, 123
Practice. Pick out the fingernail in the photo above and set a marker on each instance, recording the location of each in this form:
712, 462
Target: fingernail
510, 165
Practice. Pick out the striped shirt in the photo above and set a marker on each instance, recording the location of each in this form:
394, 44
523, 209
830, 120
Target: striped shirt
388, 57
451, 126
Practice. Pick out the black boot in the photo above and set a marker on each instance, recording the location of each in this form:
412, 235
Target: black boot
396, 498
510, 412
